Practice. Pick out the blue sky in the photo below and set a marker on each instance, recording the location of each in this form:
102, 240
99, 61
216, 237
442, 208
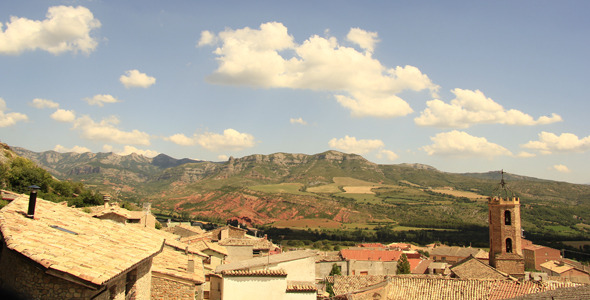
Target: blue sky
464, 86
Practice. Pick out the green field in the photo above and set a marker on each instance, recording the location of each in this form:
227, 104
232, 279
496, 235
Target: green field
288, 188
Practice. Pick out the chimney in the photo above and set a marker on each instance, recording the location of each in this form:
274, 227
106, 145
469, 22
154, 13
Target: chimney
106, 199
32, 201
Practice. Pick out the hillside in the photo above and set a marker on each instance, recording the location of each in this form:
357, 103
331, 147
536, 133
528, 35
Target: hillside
331, 186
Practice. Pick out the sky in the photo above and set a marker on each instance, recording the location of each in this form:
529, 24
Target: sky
463, 86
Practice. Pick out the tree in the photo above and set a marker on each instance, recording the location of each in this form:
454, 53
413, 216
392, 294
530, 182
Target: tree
403, 265
329, 285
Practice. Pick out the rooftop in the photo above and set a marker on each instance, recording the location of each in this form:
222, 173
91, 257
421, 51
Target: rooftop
266, 260
371, 254
66, 240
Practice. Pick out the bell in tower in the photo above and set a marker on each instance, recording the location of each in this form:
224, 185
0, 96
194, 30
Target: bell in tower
505, 231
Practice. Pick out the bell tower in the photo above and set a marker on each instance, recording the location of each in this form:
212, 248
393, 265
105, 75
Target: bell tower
505, 231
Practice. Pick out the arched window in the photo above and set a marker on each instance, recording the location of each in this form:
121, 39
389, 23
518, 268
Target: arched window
507, 218
508, 245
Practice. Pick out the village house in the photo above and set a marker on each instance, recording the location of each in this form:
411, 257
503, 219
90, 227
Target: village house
116, 213
51, 251
563, 270
535, 255
453, 255
370, 261
289, 275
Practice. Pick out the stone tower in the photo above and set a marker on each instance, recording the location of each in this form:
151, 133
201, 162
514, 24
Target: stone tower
505, 231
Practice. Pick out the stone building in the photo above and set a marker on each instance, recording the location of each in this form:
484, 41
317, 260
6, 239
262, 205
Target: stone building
535, 255
505, 232
55, 252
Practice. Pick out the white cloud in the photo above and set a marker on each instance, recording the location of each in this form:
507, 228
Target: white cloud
366, 40
62, 115
298, 121
561, 168
390, 155
76, 149
9, 119
222, 157
352, 145
107, 148
230, 140
106, 131
100, 100
459, 143
551, 143
181, 139
524, 154
130, 149
268, 57
65, 28
44, 103
207, 38
473, 107
134, 78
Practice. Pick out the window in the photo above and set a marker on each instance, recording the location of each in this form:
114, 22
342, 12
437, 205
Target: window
507, 218
364, 272
508, 245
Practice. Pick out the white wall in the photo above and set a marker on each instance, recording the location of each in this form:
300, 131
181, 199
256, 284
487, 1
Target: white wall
254, 288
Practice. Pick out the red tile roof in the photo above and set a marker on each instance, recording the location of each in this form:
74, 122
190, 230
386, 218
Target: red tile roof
265, 273
371, 255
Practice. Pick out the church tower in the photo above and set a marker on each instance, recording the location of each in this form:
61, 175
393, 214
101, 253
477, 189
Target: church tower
505, 231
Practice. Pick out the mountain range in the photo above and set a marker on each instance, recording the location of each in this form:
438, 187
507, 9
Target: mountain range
331, 186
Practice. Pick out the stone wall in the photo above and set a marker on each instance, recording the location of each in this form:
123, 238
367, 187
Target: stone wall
24, 277
166, 287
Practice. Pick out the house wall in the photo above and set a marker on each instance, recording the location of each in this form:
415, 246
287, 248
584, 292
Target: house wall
534, 258
300, 296
254, 288
366, 267
32, 280
323, 269
166, 287
215, 288
19, 274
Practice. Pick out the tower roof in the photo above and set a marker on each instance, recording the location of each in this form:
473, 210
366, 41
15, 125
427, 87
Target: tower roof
502, 190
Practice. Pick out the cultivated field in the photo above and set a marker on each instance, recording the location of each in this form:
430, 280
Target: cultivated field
466, 194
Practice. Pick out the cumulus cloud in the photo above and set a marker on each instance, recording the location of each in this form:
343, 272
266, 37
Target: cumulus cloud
473, 107
65, 28
100, 100
62, 115
230, 140
549, 143
9, 119
76, 149
268, 57
298, 121
388, 154
43, 103
134, 78
107, 131
222, 157
366, 40
459, 143
181, 139
130, 149
561, 168
524, 154
352, 145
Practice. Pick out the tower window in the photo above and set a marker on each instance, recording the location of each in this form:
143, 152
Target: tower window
507, 218
508, 245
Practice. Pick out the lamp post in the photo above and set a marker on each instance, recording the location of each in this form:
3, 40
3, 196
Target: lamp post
32, 201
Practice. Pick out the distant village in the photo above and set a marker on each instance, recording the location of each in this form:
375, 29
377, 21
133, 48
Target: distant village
52, 251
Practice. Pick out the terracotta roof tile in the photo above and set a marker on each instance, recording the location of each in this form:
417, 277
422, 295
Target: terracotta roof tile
299, 286
175, 263
371, 255
83, 246
254, 273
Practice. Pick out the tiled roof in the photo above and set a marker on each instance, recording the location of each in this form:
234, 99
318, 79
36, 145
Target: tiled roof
473, 268
264, 273
69, 241
567, 293
175, 263
299, 286
454, 251
266, 260
422, 266
206, 245
371, 255
556, 266
256, 243
435, 287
